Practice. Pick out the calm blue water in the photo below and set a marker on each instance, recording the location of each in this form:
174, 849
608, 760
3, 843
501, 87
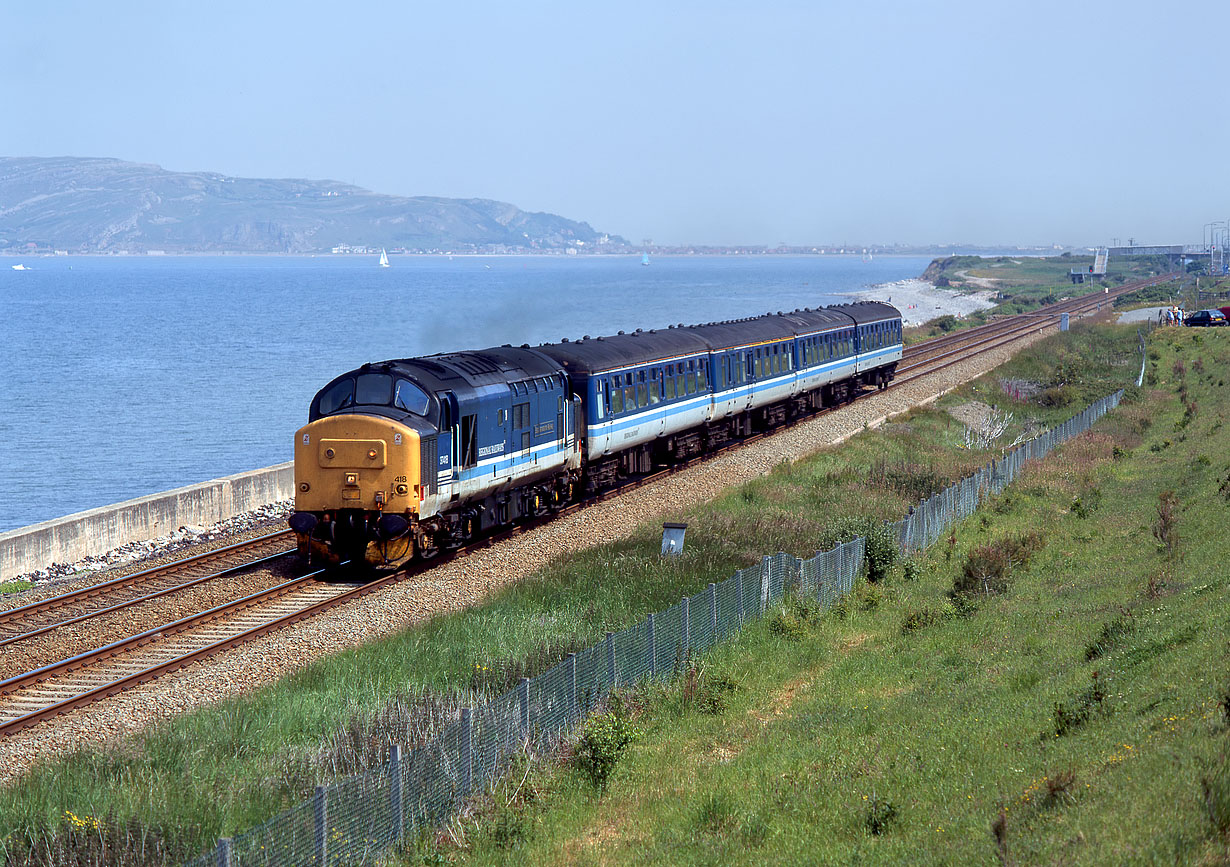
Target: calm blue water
126, 376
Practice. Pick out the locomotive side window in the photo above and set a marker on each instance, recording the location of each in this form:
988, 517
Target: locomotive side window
339, 395
521, 415
469, 440
411, 398
373, 389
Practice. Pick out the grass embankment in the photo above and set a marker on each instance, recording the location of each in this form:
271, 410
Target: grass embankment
221, 770
1025, 284
1078, 714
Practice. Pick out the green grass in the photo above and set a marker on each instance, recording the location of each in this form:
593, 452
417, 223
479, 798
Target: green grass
922, 728
221, 770
14, 586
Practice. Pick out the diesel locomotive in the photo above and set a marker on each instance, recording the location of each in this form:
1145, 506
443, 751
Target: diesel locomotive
404, 458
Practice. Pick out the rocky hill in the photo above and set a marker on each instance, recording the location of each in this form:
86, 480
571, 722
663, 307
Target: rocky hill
88, 205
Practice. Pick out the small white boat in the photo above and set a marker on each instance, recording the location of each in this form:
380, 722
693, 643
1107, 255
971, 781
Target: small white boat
20, 267
384, 258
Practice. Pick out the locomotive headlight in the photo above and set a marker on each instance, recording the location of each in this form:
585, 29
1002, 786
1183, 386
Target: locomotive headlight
371, 454
402, 490
329, 453
304, 487
352, 478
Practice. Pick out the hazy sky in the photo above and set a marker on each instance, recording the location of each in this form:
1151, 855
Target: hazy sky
713, 122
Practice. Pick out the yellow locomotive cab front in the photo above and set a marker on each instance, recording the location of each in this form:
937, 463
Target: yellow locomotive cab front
357, 489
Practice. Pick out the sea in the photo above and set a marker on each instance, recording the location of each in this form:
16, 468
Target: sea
122, 376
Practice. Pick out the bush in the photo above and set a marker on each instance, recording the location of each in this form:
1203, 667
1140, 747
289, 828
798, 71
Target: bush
1069, 716
1113, 631
880, 815
787, 624
988, 567
918, 618
882, 550
1165, 528
704, 690
603, 741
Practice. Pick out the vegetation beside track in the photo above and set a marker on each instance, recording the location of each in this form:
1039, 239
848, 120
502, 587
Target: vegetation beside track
1024, 284
1074, 710
221, 770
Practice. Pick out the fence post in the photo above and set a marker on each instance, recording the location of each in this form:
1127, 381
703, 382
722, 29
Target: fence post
687, 633
320, 808
610, 661
653, 650
572, 687
523, 698
226, 852
764, 584
713, 610
467, 760
739, 593
395, 790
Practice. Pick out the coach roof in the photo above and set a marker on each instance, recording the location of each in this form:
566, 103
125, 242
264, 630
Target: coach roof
645, 347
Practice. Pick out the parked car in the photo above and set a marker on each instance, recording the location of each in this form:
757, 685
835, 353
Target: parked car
1225, 310
1205, 317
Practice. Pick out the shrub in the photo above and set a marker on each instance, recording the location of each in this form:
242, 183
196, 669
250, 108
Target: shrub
787, 624
988, 567
1112, 632
1069, 716
910, 570
881, 553
1165, 528
880, 814
1059, 787
918, 618
603, 741
704, 690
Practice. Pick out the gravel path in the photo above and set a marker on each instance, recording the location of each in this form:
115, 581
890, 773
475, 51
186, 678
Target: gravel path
466, 581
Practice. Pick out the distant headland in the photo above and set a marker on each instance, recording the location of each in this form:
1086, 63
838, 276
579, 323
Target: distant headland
90, 205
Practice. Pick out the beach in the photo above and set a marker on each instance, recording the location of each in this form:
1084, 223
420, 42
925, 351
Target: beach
920, 301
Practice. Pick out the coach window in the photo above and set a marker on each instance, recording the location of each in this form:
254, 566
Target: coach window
630, 397
702, 377
655, 387
617, 401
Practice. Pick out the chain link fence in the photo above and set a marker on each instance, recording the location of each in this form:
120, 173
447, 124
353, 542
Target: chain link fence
355, 820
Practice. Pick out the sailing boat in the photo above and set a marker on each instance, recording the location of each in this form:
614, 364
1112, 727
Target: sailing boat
644, 258
384, 258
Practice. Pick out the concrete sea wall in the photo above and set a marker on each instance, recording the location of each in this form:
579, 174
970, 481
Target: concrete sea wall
68, 539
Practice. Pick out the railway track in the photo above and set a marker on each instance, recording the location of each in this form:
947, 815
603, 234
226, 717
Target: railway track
36, 695
77, 606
